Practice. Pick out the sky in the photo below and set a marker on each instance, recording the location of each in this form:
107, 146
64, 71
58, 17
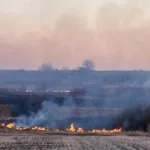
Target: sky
113, 33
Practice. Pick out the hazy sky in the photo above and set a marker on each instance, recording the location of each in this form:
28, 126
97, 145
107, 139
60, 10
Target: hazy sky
113, 33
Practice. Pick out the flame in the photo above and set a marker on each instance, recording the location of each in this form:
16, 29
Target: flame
106, 131
73, 129
80, 130
10, 125
38, 128
2, 125
70, 129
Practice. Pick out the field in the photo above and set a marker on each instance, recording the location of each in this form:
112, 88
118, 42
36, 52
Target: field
37, 141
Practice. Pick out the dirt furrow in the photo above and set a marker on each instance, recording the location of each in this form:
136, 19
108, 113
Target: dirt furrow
132, 143
59, 142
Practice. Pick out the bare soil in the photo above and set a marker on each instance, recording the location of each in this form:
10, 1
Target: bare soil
37, 141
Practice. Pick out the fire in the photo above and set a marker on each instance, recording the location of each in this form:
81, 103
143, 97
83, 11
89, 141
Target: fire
106, 131
38, 128
70, 129
73, 129
80, 130
10, 126
2, 125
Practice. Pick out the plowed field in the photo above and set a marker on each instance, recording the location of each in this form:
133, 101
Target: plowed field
63, 142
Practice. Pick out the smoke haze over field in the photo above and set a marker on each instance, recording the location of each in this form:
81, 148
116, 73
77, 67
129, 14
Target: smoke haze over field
114, 34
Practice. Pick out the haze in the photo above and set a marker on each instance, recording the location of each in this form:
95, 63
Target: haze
113, 33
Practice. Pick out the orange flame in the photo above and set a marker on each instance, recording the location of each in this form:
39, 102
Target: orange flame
73, 129
106, 131
70, 129
10, 126
80, 130
38, 128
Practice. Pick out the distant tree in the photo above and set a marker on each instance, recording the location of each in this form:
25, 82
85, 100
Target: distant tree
88, 65
46, 67
64, 68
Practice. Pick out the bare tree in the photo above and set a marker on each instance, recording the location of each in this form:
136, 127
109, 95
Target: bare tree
46, 67
88, 65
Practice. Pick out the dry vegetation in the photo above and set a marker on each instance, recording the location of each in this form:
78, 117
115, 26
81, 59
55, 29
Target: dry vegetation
70, 142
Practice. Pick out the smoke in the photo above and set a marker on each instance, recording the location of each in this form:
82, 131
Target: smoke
97, 106
136, 115
123, 107
134, 119
51, 115
81, 111
47, 116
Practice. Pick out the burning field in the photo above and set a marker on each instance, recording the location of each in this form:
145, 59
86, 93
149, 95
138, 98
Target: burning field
13, 136
70, 130
75, 123
21, 138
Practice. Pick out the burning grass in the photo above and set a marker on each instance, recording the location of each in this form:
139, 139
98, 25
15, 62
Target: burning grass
71, 130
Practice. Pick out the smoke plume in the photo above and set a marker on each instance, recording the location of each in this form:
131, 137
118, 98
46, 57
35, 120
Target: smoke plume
126, 108
60, 116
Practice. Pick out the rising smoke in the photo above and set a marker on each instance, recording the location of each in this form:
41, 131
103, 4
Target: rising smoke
55, 116
131, 107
